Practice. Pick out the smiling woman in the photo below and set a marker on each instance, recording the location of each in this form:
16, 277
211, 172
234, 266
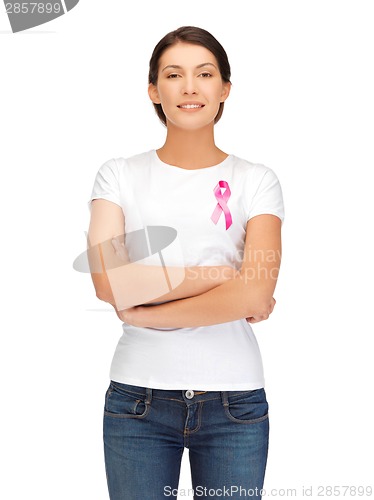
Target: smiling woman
187, 370
216, 60
176, 86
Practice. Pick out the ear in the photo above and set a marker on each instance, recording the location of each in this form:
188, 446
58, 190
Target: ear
226, 87
153, 94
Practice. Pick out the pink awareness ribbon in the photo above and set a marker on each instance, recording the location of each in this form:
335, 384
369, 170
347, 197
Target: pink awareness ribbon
222, 203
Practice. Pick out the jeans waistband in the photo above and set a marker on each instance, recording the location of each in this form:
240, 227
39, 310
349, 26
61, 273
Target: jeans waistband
176, 394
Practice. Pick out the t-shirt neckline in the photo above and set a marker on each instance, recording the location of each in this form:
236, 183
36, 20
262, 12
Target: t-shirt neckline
175, 167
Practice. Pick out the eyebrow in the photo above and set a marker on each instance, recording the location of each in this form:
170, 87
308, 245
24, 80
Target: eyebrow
175, 66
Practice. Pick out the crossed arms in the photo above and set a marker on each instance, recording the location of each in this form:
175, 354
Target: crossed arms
205, 295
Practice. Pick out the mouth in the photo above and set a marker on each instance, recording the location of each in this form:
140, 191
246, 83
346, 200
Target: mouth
191, 105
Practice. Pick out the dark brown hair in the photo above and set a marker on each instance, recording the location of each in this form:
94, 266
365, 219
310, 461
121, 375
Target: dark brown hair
197, 36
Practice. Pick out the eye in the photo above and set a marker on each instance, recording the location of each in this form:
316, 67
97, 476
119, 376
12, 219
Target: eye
172, 75
205, 74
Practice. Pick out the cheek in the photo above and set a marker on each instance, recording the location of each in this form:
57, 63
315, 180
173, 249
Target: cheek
213, 90
167, 97
213, 93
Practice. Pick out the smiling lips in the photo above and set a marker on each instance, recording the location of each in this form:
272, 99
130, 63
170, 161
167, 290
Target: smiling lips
191, 105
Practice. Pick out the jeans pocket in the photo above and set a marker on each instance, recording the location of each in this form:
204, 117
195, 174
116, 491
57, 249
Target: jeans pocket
121, 402
248, 407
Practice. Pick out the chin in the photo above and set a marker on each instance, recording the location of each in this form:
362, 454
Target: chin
190, 124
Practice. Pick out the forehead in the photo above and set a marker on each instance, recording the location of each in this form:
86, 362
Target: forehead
186, 55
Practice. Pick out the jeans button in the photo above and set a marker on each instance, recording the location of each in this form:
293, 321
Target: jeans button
189, 394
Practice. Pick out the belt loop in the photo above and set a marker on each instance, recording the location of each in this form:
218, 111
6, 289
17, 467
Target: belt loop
149, 396
224, 398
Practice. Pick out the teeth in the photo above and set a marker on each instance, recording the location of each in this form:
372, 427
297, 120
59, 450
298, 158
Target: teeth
188, 106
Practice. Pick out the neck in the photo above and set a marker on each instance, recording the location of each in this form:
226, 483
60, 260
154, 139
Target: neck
190, 148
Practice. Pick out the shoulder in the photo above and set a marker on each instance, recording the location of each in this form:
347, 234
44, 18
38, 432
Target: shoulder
254, 171
136, 160
250, 166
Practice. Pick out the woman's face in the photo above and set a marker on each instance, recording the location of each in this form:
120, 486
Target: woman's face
189, 73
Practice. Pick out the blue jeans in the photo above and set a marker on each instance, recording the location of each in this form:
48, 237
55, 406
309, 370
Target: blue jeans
146, 431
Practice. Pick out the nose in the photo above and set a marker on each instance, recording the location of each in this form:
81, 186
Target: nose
189, 86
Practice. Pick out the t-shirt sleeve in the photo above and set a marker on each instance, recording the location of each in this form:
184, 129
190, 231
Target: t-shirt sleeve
268, 197
106, 184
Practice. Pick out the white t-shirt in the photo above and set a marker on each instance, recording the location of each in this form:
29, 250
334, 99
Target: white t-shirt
211, 230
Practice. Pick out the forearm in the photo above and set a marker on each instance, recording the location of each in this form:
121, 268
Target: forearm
125, 284
198, 280
136, 284
229, 301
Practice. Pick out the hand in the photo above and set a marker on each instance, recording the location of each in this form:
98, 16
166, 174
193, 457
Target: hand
129, 315
262, 317
120, 249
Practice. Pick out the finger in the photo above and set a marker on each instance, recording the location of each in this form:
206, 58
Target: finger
253, 319
120, 250
115, 244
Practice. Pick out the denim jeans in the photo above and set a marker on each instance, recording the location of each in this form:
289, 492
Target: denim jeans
146, 431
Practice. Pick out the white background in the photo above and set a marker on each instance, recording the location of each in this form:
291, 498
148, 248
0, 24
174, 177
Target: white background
73, 95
